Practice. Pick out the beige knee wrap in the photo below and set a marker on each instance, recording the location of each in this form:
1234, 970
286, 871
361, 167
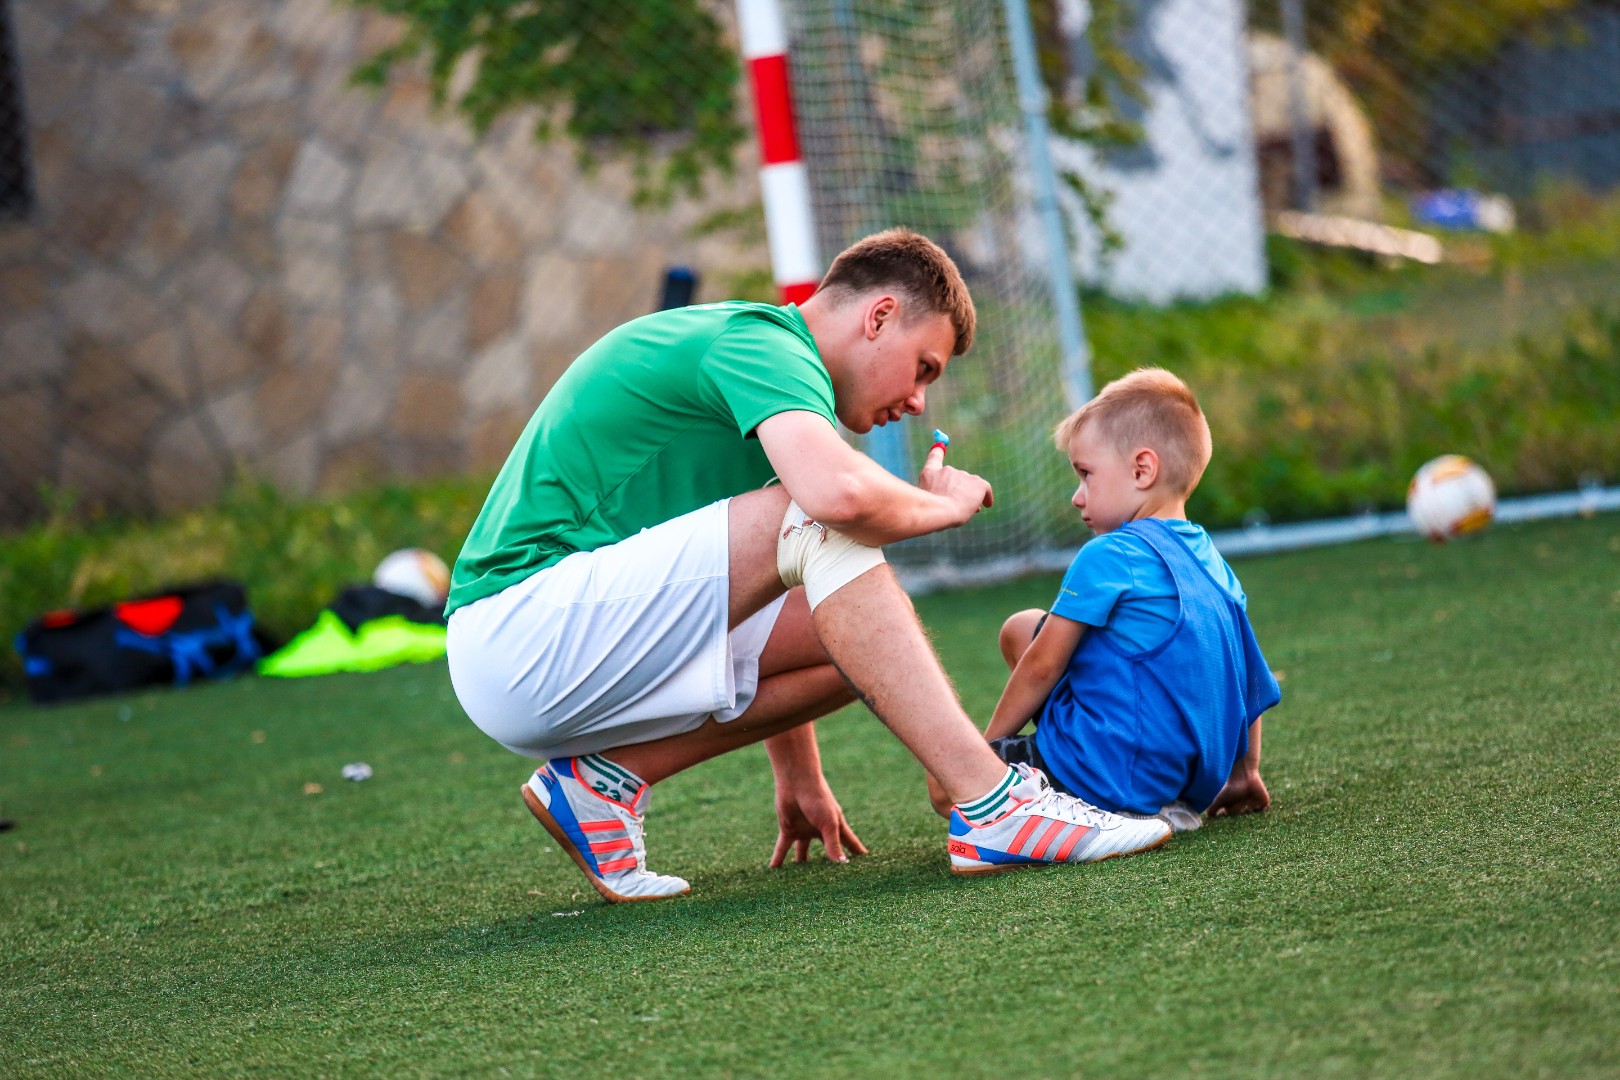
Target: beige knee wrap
823, 560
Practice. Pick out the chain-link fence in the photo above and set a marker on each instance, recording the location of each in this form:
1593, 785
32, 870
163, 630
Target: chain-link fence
1444, 117
220, 255
909, 115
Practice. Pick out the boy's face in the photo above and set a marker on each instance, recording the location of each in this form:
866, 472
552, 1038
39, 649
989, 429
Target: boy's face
1113, 482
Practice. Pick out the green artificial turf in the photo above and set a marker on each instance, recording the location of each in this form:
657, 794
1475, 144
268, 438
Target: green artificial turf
1436, 891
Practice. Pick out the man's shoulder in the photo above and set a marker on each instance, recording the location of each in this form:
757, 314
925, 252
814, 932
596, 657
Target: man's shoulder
696, 337
741, 320
705, 322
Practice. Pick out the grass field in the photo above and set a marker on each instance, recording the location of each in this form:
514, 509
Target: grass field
1436, 891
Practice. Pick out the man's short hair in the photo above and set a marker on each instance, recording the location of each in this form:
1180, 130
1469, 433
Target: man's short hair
913, 266
1148, 408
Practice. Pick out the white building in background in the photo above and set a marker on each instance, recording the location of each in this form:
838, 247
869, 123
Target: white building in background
1187, 200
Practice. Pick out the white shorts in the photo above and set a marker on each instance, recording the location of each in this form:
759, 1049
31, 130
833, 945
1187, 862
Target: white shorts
620, 645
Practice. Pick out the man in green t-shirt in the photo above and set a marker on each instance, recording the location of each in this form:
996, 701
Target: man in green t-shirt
633, 599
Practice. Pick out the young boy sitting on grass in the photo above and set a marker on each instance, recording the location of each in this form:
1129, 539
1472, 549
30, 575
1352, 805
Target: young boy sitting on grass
1144, 680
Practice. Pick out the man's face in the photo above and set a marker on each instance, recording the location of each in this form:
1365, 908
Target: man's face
895, 360
1108, 495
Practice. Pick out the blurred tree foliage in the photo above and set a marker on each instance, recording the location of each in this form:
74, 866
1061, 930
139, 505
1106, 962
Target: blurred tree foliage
1365, 35
1404, 59
1090, 106
652, 80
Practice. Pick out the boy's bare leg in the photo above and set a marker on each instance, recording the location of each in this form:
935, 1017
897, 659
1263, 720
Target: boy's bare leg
1017, 633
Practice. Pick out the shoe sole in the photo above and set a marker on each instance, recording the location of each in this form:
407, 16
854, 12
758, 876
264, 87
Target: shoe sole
1007, 868
543, 816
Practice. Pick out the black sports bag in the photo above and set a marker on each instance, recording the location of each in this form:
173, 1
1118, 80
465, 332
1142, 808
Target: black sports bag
194, 632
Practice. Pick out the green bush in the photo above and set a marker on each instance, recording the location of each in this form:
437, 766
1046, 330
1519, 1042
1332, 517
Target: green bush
1326, 396
1323, 398
293, 555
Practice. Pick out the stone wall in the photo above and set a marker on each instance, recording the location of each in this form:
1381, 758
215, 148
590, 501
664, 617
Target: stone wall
238, 261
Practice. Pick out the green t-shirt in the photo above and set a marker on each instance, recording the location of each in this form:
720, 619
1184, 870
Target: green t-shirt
653, 421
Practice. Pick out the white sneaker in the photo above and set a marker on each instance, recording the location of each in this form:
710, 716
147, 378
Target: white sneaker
1045, 827
602, 835
1181, 817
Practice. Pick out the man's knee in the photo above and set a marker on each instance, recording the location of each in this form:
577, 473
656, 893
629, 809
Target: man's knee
821, 559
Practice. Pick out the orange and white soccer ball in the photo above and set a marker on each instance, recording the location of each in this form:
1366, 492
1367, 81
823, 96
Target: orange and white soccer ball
1450, 496
413, 572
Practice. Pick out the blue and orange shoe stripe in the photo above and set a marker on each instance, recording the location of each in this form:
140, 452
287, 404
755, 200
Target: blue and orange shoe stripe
563, 814
987, 855
1059, 837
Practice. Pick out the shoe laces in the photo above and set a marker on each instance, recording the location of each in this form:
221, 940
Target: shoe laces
635, 825
1050, 803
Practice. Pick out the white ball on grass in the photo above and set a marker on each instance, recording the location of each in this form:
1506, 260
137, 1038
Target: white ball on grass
413, 572
1450, 496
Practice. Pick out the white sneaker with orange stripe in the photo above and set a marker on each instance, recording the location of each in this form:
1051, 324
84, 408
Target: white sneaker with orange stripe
1045, 827
601, 834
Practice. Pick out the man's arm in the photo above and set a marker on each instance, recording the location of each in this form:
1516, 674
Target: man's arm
841, 487
1038, 671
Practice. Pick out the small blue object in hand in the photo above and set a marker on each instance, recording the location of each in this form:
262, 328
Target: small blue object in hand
940, 438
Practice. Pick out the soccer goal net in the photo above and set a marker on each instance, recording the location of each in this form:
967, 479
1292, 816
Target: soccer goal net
908, 114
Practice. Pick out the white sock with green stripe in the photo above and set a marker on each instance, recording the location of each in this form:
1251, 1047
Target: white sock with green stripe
608, 779
984, 810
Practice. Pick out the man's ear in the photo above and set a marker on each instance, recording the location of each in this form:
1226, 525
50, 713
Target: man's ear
879, 313
1145, 468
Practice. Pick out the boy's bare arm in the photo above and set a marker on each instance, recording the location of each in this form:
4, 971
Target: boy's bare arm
1038, 671
1030, 684
1245, 792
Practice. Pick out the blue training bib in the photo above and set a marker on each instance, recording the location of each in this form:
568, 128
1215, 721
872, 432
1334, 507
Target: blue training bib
1135, 731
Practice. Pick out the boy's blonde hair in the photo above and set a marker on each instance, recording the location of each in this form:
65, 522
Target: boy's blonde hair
912, 265
1148, 408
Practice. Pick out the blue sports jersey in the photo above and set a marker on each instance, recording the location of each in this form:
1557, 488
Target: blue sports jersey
1122, 566
1162, 712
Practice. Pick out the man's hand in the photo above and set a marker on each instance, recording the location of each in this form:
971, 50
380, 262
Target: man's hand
1244, 793
967, 493
806, 811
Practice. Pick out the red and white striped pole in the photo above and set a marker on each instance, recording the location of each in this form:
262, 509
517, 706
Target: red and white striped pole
789, 226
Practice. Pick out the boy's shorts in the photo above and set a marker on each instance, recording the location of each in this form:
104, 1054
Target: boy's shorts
1021, 750
624, 644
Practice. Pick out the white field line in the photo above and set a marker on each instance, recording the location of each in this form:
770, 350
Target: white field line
1259, 539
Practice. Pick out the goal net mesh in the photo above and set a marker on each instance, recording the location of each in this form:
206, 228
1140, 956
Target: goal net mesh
908, 114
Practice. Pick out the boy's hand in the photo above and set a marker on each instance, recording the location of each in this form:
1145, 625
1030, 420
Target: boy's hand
1244, 793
